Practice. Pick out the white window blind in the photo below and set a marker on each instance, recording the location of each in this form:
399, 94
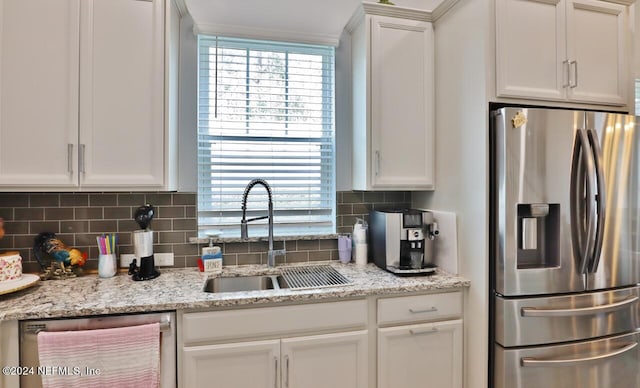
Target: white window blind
265, 110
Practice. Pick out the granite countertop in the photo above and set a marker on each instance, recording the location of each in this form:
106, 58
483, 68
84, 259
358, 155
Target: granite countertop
179, 289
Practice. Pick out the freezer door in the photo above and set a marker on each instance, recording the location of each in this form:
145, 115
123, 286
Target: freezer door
537, 321
617, 263
604, 363
531, 164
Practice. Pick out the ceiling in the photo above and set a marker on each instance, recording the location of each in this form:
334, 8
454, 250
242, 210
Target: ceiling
298, 20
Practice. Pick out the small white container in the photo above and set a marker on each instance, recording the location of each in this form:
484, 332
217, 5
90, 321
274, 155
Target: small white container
107, 265
359, 238
361, 254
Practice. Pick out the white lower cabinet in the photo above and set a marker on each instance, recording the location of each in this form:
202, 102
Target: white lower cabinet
425, 355
236, 365
332, 360
379, 342
420, 341
313, 345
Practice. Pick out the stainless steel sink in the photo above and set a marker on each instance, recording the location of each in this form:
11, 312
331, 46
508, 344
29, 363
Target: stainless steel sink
244, 283
295, 278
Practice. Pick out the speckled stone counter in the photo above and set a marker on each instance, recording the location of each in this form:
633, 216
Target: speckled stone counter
182, 289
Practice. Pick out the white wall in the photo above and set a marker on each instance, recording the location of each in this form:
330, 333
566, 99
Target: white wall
462, 40
187, 107
344, 122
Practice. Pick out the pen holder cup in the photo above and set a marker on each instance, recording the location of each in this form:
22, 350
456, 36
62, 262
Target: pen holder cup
107, 265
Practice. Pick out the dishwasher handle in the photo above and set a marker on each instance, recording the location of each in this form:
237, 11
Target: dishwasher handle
35, 328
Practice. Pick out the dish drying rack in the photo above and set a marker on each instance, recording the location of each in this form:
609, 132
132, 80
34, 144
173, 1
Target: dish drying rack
318, 276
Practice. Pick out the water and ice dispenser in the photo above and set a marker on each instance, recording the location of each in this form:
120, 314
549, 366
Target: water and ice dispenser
538, 235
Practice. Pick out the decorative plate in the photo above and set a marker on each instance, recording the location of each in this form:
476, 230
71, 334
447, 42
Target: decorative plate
27, 280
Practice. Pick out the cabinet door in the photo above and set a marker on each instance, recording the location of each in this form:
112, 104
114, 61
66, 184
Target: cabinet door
122, 93
531, 49
236, 365
402, 83
321, 361
38, 92
596, 51
426, 355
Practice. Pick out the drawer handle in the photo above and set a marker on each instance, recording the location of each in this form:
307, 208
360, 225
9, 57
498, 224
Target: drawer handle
576, 312
530, 361
429, 310
418, 332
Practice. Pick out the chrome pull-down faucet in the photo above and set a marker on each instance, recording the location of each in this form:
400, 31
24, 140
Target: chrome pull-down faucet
244, 233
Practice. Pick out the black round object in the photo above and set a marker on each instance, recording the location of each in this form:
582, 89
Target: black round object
147, 269
144, 215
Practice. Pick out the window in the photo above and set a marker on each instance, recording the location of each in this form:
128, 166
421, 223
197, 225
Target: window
265, 110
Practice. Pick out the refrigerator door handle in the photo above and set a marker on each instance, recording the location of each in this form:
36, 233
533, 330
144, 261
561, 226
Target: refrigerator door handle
582, 201
600, 200
576, 312
531, 361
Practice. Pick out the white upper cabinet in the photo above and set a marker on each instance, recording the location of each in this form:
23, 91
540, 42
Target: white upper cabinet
561, 50
531, 48
393, 98
82, 95
122, 93
596, 51
39, 92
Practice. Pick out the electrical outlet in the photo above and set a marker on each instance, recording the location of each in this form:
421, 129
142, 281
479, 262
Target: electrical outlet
163, 259
160, 259
126, 259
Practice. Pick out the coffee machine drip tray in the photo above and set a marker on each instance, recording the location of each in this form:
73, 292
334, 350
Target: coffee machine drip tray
427, 269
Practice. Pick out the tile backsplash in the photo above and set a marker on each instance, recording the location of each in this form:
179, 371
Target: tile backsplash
77, 218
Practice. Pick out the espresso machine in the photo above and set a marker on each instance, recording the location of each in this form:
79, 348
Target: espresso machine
402, 241
143, 246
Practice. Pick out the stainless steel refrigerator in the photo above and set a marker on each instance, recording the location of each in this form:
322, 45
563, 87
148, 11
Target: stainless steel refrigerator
564, 249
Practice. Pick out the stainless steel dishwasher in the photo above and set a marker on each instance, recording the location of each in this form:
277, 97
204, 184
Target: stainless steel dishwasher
30, 329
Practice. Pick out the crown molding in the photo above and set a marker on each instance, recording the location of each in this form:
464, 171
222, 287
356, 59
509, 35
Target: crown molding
370, 8
182, 7
265, 34
443, 8
397, 12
